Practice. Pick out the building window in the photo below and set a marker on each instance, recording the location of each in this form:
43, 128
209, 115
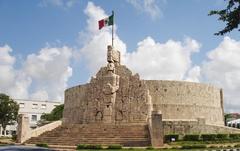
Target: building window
14, 132
21, 105
34, 117
7, 132
44, 106
34, 106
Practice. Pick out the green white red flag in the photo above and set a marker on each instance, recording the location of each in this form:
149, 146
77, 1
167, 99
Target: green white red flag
105, 22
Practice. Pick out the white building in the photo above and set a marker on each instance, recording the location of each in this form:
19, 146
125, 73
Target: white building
34, 109
234, 123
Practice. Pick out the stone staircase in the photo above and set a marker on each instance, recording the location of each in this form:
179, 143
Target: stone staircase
126, 135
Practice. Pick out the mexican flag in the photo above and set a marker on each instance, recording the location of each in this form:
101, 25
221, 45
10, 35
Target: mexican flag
105, 22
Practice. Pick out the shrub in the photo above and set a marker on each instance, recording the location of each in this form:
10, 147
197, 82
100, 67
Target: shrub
209, 137
191, 137
171, 137
196, 146
234, 136
222, 136
84, 146
81, 146
149, 148
42, 145
115, 146
14, 137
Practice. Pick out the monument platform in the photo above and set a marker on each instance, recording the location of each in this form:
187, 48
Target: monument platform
104, 134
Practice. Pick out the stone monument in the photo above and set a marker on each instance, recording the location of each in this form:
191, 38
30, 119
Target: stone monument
117, 107
113, 96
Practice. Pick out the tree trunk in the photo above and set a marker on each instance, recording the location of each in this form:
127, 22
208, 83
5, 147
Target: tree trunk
4, 129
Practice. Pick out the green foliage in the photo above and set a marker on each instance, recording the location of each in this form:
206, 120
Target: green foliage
170, 137
115, 146
8, 110
234, 136
191, 137
42, 145
56, 114
81, 146
230, 15
14, 137
195, 146
222, 136
209, 137
88, 146
150, 148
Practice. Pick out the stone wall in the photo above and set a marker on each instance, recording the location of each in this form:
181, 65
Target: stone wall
194, 127
187, 100
105, 100
75, 104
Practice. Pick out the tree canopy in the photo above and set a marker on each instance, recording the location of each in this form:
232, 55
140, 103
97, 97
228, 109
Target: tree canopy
230, 15
8, 110
56, 114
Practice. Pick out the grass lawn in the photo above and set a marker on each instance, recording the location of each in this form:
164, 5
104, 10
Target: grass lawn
5, 141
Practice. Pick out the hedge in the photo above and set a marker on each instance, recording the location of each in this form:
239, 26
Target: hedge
222, 136
209, 137
234, 136
149, 148
42, 145
196, 146
115, 146
170, 137
86, 146
191, 137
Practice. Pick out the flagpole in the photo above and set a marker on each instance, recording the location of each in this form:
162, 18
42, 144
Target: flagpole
112, 28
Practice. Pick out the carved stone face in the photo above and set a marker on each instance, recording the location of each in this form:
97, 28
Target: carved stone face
110, 67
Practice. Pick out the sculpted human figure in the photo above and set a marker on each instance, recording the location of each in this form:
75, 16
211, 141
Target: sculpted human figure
110, 86
113, 56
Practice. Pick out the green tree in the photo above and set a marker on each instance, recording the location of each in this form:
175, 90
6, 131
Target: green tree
230, 15
56, 114
8, 111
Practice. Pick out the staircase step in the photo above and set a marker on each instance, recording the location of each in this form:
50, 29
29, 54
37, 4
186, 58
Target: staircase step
127, 135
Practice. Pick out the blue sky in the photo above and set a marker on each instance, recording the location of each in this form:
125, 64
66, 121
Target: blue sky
32, 29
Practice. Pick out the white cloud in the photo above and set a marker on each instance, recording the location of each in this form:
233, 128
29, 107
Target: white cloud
194, 74
42, 76
50, 71
166, 61
170, 60
6, 67
40, 94
147, 6
95, 41
58, 3
223, 70
13, 82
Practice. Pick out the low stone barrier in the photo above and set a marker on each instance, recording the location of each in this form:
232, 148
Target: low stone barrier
24, 132
48, 127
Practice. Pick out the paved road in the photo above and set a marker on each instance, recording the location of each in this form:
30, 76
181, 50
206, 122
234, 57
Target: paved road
23, 148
